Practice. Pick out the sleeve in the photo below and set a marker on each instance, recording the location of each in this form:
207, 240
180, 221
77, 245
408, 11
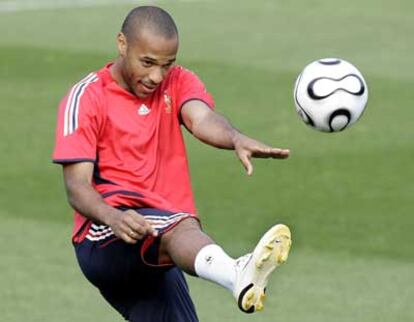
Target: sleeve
77, 128
190, 87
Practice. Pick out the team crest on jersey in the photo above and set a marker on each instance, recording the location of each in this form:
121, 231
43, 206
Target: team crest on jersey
167, 100
143, 110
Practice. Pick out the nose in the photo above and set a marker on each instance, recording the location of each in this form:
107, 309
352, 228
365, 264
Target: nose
156, 76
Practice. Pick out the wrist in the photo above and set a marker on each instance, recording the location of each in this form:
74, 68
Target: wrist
108, 215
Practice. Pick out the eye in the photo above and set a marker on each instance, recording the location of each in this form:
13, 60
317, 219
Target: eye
167, 66
147, 63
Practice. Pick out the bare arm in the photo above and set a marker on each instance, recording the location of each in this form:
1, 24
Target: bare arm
127, 225
214, 129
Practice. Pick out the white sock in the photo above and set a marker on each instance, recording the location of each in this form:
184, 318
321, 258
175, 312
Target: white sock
213, 264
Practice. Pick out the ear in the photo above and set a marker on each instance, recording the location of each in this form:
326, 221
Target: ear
122, 44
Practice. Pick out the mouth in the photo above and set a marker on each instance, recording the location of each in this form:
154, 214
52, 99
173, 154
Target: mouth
146, 88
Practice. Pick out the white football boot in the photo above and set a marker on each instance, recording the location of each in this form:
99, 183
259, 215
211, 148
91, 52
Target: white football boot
253, 270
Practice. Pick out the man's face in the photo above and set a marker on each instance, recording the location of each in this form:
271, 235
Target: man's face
146, 61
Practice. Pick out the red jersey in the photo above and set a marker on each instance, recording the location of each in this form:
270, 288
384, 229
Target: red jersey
136, 144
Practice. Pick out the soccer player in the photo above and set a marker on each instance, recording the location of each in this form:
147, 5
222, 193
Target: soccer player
126, 174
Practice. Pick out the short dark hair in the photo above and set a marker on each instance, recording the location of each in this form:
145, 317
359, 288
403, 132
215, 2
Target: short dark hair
150, 18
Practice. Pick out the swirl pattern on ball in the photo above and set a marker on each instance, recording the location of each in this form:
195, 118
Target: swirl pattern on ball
351, 84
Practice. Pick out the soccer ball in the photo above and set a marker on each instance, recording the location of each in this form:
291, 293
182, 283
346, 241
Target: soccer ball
330, 94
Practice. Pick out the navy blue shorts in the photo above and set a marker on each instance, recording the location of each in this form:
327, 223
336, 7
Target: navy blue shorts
140, 292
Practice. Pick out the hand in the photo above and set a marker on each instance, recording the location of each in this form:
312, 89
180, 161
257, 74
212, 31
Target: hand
130, 226
247, 148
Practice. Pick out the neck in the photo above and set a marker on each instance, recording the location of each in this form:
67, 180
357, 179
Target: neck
116, 72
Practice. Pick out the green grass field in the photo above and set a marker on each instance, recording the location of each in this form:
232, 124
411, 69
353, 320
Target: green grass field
348, 197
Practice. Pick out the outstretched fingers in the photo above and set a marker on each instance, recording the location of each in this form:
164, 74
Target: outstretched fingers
254, 149
268, 152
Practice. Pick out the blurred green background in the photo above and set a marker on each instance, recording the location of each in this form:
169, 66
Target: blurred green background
348, 197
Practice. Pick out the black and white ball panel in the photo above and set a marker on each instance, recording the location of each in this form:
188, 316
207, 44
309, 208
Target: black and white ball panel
339, 120
329, 61
300, 110
323, 87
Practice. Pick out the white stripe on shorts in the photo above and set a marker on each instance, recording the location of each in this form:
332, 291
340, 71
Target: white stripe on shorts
101, 232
